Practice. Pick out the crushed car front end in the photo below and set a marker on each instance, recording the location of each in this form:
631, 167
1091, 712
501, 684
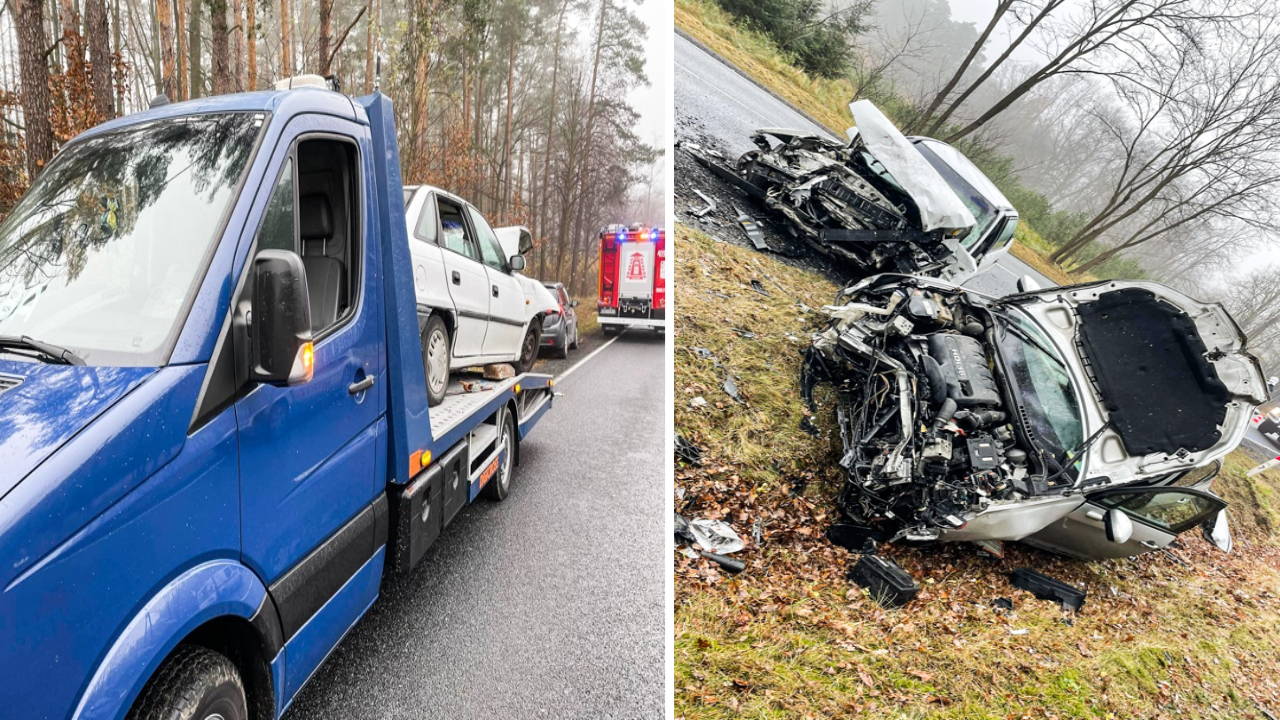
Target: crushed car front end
966, 417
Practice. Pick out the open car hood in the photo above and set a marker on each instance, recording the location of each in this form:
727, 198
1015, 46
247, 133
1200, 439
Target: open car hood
938, 204
1171, 375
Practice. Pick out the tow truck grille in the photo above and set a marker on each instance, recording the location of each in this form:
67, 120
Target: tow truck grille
8, 383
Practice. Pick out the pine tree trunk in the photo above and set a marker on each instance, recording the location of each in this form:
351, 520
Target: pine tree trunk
168, 74
35, 85
369, 48
286, 42
326, 32
195, 49
237, 45
221, 48
95, 17
251, 53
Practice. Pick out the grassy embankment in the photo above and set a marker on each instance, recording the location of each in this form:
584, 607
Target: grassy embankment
792, 638
825, 100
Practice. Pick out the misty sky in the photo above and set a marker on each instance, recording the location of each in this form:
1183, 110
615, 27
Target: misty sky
652, 100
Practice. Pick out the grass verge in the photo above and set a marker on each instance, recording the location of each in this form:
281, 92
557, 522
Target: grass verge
791, 638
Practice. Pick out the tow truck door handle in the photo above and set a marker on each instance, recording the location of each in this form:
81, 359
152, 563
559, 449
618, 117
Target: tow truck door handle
495, 291
457, 278
356, 388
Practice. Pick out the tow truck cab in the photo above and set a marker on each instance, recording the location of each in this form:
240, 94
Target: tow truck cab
633, 278
237, 444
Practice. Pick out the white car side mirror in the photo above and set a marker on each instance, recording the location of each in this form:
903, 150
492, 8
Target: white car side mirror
516, 262
1026, 283
1217, 532
1119, 526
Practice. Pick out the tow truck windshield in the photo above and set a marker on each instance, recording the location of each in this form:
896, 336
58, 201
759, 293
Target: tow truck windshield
102, 256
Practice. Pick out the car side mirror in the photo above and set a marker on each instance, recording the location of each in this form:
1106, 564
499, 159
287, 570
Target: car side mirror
1119, 526
1026, 283
516, 262
573, 303
280, 350
1217, 532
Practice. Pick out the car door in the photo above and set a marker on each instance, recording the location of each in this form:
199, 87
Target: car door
468, 281
308, 452
506, 302
430, 278
1159, 515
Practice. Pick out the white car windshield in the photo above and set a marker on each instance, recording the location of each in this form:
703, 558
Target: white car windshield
102, 254
979, 206
1044, 386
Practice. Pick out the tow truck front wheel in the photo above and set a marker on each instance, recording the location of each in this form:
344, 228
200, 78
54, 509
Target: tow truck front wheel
435, 359
195, 683
500, 484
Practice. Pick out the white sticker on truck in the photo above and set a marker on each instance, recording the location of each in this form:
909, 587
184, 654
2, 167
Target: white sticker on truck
636, 270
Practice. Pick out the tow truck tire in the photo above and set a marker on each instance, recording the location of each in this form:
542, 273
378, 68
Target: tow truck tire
436, 359
498, 486
528, 350
194, 683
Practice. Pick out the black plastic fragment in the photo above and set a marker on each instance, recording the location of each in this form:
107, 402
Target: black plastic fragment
687, 450
855, 538
1047, 588
759, 287
806, 424
1002, 604
731, 389
728, 564
887, 582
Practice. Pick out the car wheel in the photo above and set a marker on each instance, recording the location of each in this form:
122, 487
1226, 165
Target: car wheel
500, 484
195, 683
574, 345
436, 359
528, 350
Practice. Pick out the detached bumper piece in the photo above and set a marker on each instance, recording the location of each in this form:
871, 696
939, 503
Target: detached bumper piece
887, 582
1047, 588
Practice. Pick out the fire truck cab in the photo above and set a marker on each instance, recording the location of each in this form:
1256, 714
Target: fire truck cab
633, 278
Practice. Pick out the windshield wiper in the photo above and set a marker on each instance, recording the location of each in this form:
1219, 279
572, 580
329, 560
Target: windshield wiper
48, 351
1011, 325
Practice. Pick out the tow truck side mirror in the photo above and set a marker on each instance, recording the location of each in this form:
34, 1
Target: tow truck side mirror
280, 350
1118, 525
516, 262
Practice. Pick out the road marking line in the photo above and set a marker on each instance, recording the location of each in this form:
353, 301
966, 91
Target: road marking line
580, 363
735, 100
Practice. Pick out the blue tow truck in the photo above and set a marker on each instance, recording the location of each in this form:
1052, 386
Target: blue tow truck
215, 438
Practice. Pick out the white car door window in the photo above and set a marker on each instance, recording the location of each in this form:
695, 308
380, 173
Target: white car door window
467, 279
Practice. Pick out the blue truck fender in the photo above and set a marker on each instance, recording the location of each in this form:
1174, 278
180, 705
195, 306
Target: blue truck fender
209, 591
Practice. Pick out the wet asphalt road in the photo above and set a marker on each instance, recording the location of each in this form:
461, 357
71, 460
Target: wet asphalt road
549, 604
716, 106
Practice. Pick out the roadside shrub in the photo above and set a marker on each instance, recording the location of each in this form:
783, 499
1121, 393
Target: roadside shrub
821, 43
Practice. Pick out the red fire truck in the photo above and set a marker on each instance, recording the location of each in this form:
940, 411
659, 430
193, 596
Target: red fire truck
633, 278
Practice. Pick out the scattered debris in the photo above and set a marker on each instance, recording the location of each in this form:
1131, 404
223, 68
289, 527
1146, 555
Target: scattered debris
1002, 603
1047, 588
759, 287
711, 205
743, 333
885, 580
731, 389
713, 534
806, 425
687, 450
994, 548
698, 402
754, 233
1020, 631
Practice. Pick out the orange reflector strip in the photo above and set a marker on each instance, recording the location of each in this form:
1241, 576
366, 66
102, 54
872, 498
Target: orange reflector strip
415, 462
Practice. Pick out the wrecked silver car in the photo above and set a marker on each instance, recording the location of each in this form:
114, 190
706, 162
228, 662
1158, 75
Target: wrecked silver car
1079, 419
881, 202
